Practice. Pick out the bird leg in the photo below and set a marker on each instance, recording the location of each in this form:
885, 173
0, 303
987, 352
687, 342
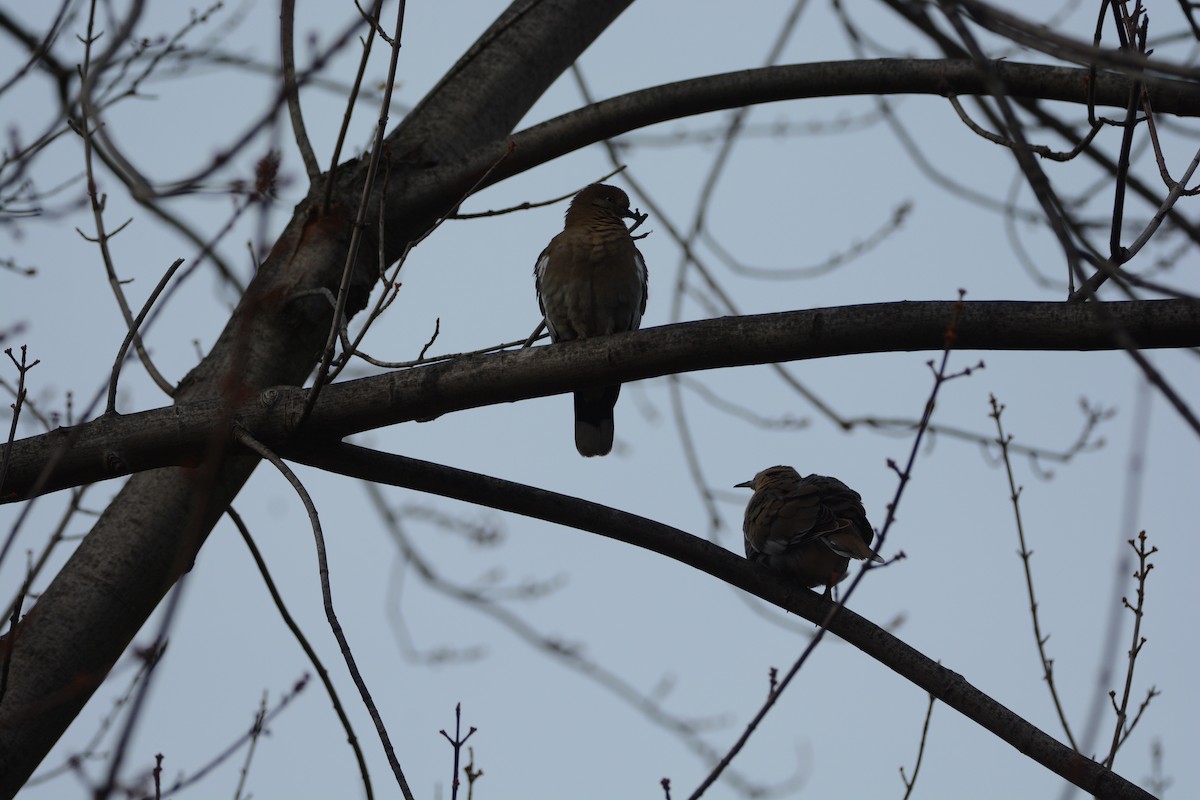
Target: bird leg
533, 337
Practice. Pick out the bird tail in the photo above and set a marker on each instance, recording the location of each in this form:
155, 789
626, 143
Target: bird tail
594, 420
849, 544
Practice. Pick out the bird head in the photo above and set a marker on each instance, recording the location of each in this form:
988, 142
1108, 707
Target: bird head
607, 199
769, 476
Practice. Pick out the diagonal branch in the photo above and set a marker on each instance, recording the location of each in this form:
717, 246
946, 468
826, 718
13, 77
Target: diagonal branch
947, 686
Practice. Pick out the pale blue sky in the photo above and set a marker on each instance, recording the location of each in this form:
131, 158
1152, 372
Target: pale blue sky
847, 724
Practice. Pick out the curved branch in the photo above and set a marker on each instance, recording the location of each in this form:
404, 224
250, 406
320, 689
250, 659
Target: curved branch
944, 684
287, 24
177, 436
942, 77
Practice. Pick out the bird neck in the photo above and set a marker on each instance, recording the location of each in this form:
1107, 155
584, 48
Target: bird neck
595, 219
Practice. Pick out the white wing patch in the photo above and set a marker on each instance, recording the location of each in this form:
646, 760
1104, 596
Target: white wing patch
539, 274
644, 285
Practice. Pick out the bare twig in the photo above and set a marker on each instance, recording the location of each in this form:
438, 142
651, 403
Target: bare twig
389, 283
1157, 782
302, 640
1041, 149
1124, 726
132, 333
252, 733
98, 202
360, 219
287, 24
538, 333
787, 422
909, 783
13, 632
437, 329
1014, 495
457, 742
1047, 198
435, 359
91, 749
55, 538
244, 438
1177, 190
527, 205
687, 731
255, 732
152, 657
471, 772
856, 249
23, 366
351, 99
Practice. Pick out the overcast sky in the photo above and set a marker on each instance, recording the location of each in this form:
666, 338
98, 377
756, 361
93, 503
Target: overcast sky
834, 178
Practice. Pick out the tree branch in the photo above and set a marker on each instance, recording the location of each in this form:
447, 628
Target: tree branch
947, 686
942, 77
112, 446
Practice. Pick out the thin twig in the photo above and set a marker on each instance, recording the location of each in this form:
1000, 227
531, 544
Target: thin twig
287, 24
1116, 253
56, 536
23, 366
359, 223
1047, 198
528, 205
1014, 495
388, 283
351, 99
909, 783
1177, 190
1041, 149
248, 441
13, 631
538, 332
255, 732
302, 640
471, 772
98, 201
196, 777
457, 742
132, 332
1131, 504
91, 749
435, 359
856, 249
688, 731
1121, 730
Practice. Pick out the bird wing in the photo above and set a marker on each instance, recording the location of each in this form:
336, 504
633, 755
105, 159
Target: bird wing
539, 275
794, 513
852, 535
644, 276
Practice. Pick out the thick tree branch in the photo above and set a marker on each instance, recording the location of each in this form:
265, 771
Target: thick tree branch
944, 684
118, 445
942, 77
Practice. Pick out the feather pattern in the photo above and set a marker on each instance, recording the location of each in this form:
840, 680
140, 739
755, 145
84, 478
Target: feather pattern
592, 281
808, 528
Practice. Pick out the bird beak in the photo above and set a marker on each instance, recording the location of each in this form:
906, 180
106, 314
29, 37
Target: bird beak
744, 485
